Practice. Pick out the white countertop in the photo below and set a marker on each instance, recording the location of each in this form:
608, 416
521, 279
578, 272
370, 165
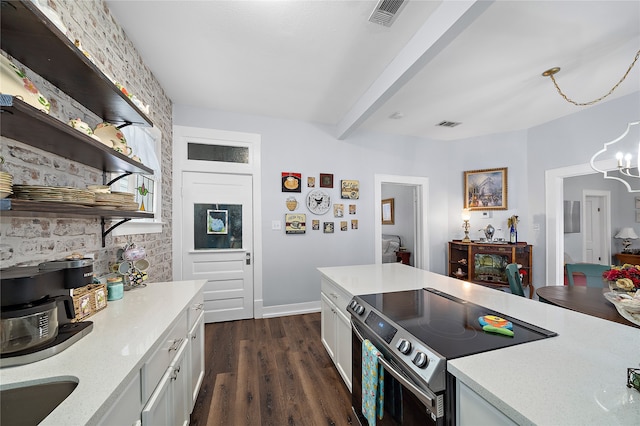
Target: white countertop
104, 360
575, 378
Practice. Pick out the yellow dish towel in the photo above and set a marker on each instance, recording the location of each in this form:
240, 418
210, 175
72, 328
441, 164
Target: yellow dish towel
372, 383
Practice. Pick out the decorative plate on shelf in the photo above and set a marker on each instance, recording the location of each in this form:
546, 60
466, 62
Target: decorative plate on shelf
14, 82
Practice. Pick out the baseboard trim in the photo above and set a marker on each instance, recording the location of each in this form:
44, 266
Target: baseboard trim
293, 309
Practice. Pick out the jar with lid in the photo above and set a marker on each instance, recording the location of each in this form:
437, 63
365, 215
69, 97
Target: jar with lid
115, 288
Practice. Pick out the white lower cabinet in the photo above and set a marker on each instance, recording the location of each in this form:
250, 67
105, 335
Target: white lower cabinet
196, 357
126, 410
336, 328
164, 389
472, 409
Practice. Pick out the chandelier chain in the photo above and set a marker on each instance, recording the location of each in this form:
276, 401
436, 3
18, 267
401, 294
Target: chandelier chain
601, 97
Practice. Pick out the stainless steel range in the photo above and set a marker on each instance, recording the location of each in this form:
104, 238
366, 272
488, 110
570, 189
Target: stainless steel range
417, 331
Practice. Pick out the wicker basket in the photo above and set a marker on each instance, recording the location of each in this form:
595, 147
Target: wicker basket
88, 300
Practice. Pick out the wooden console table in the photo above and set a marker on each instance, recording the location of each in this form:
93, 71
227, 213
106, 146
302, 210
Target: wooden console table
484, 263
404, 257
632, 259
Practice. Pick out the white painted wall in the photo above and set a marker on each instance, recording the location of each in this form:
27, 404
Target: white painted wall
290, 261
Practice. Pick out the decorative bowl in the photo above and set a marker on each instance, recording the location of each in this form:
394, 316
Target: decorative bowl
14, 82
110, 135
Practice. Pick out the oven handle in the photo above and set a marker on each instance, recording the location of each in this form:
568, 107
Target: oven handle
419, 393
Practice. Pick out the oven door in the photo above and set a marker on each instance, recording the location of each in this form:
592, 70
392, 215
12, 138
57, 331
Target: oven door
404, 402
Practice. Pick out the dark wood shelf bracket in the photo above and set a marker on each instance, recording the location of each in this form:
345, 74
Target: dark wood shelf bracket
115, 179
103, 223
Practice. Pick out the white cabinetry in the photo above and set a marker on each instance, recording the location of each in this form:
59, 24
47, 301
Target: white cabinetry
336, 327
164, 389
472, 409
126, 410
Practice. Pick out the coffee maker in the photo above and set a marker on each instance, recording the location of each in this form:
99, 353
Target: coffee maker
36, 309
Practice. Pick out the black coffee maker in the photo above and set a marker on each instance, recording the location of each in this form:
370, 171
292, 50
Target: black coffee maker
36, 309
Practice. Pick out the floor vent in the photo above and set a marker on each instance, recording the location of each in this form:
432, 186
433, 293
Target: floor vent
386, 12
448, 123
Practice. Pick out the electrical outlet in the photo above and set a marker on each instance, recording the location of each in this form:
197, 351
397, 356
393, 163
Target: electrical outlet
276, 225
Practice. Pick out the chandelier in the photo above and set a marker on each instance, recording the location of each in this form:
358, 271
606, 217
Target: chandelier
552, 71
626, 151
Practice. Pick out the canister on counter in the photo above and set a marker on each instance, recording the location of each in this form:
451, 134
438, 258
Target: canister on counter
115, 288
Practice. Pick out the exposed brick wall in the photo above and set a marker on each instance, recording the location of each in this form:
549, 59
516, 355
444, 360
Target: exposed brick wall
30, 240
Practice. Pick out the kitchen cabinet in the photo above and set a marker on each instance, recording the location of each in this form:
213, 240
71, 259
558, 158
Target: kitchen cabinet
484, 263
472, 409
336, 328
126, 410
30, 37
168, 403
196, 354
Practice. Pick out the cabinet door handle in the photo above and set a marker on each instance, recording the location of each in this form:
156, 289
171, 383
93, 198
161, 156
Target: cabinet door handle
198, 307
175, 345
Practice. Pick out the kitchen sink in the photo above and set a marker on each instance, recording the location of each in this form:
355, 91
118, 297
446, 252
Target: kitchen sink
30, 404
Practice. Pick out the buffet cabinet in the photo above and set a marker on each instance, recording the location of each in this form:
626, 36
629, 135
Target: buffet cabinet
485, 263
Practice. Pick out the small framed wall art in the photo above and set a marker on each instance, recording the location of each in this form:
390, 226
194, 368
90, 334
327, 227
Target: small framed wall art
295, 223
338, 210
350, 189
328, 227
388, 212
485, 189
326, 180
291, 182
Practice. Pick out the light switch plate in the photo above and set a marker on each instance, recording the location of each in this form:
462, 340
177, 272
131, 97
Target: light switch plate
487, 215
276, 225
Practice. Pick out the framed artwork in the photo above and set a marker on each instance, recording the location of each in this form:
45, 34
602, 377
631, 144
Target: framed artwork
485, 189
311, 182
101, 299
315, 225
354, 223
343, 225
387, 212
350, 189
291, 182
217, 222
328, 227
352, 209
637, 216
295, 223
338, 210
326, 180
637, 202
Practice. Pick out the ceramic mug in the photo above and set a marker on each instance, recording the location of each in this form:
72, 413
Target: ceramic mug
121, 267
141, 265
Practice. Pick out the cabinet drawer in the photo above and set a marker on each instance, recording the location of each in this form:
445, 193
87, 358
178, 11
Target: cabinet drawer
336, 294
160, 360
126, 410
196, 307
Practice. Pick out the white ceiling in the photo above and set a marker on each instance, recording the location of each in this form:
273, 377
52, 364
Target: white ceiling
478, 63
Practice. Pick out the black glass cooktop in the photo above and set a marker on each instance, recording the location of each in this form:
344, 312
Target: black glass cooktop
447, 324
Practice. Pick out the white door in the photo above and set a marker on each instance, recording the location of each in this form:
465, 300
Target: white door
594, 228
217, 240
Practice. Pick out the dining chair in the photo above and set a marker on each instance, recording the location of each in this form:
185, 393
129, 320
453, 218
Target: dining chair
513, 276
591, 271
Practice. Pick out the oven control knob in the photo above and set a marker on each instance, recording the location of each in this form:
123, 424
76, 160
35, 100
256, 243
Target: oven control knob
353, 304
359, 309
404, 346
420, 359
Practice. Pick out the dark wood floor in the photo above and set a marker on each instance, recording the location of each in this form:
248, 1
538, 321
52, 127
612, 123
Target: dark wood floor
270, 372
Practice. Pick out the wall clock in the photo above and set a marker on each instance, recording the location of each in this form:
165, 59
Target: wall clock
318, 201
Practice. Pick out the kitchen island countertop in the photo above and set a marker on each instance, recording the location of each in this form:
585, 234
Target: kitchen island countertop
106, 359
575, 378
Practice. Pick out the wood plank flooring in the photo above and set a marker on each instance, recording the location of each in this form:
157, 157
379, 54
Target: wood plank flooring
271, 371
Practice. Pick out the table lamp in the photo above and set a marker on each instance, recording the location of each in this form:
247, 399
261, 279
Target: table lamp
466, 215
626, 234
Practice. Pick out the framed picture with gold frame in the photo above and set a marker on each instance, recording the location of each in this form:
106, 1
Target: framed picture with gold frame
388, 212
485, 189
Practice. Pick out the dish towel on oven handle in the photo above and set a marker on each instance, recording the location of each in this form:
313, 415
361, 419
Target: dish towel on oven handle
372, 383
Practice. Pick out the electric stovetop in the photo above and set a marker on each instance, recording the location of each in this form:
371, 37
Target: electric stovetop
449, 325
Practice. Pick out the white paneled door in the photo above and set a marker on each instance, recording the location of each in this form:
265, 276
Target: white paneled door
217, 239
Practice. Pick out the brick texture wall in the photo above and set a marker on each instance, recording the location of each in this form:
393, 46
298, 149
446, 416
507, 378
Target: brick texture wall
29, 240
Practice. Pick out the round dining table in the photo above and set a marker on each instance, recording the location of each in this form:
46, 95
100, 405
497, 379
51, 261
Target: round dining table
587, 300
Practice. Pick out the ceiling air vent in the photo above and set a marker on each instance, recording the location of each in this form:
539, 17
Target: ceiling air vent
386, 12
448, 124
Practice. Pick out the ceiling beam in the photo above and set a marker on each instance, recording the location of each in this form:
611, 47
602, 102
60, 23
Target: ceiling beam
441, 28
